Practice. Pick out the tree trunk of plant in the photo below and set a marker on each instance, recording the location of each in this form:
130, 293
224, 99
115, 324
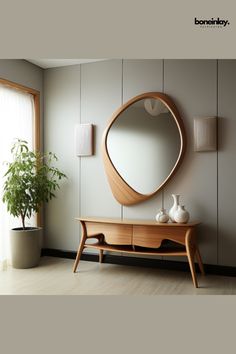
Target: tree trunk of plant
23, 220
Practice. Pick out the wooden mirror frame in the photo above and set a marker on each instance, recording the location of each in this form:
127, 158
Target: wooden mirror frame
121, 190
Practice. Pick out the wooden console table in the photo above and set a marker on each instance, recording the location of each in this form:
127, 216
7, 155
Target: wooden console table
140, 237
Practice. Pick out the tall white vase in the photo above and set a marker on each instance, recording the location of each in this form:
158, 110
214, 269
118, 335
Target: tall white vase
174, 207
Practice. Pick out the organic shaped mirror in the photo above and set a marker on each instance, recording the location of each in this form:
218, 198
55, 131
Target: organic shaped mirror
143, 146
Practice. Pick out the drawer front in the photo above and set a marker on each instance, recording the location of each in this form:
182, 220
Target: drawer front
152, 236
115, 234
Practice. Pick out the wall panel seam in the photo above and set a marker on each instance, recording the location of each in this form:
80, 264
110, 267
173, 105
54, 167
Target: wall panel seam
80, 172
217, 164
163, 89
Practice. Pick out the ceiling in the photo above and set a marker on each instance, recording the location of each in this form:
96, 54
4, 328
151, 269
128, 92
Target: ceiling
54, 63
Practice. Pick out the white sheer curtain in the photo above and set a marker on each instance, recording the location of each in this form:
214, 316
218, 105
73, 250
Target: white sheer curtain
16, 121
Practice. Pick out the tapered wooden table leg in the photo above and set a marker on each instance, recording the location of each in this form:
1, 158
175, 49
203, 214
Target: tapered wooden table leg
100, 256
81, 247
191, 249
199, 260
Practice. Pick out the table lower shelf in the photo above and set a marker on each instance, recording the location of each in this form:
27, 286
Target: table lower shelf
165, 251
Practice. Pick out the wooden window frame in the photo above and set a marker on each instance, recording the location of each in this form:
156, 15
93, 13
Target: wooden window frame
36, 122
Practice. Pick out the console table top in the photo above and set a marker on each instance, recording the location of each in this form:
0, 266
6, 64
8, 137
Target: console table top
135, 222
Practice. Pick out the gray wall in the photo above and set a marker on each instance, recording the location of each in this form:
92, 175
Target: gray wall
91, 93
22, 72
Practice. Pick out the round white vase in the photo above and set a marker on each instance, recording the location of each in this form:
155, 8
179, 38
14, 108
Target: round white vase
174, 207
162, 216
181, 215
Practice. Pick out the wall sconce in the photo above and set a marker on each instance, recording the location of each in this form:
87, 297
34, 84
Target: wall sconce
84, 140
205, 134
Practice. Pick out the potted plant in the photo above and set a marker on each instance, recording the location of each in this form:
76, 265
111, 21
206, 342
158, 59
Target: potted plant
30, 181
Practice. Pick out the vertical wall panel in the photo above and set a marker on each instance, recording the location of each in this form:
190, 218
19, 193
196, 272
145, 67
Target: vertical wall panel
140, 76
227, 162
192, 85
100, 97
62, 111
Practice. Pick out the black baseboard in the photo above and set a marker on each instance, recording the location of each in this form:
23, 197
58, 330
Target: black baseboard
141, 262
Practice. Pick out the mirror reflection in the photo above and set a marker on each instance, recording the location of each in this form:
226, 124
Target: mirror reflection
144, 144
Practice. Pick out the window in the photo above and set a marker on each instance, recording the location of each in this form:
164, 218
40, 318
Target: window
19, 118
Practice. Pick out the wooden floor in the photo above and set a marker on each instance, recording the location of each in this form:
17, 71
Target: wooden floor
54, 277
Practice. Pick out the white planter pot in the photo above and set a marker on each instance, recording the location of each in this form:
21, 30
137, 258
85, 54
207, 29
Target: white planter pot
25, 247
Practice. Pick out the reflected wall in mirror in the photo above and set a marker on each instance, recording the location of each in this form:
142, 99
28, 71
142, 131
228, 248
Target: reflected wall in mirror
142, 147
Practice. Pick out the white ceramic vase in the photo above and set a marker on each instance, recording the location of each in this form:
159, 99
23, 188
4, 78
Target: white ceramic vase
162, 216
181, 215
174, 207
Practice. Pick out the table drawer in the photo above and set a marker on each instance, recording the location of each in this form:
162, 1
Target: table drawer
152, 236
115, 234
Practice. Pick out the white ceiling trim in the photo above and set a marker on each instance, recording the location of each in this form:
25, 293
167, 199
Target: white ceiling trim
54, 63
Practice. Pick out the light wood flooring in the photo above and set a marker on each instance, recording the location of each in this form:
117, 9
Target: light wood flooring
54, 277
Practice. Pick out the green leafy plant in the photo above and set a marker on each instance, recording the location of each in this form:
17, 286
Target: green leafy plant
31, 180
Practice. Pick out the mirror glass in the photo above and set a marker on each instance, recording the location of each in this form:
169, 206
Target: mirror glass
144, 144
